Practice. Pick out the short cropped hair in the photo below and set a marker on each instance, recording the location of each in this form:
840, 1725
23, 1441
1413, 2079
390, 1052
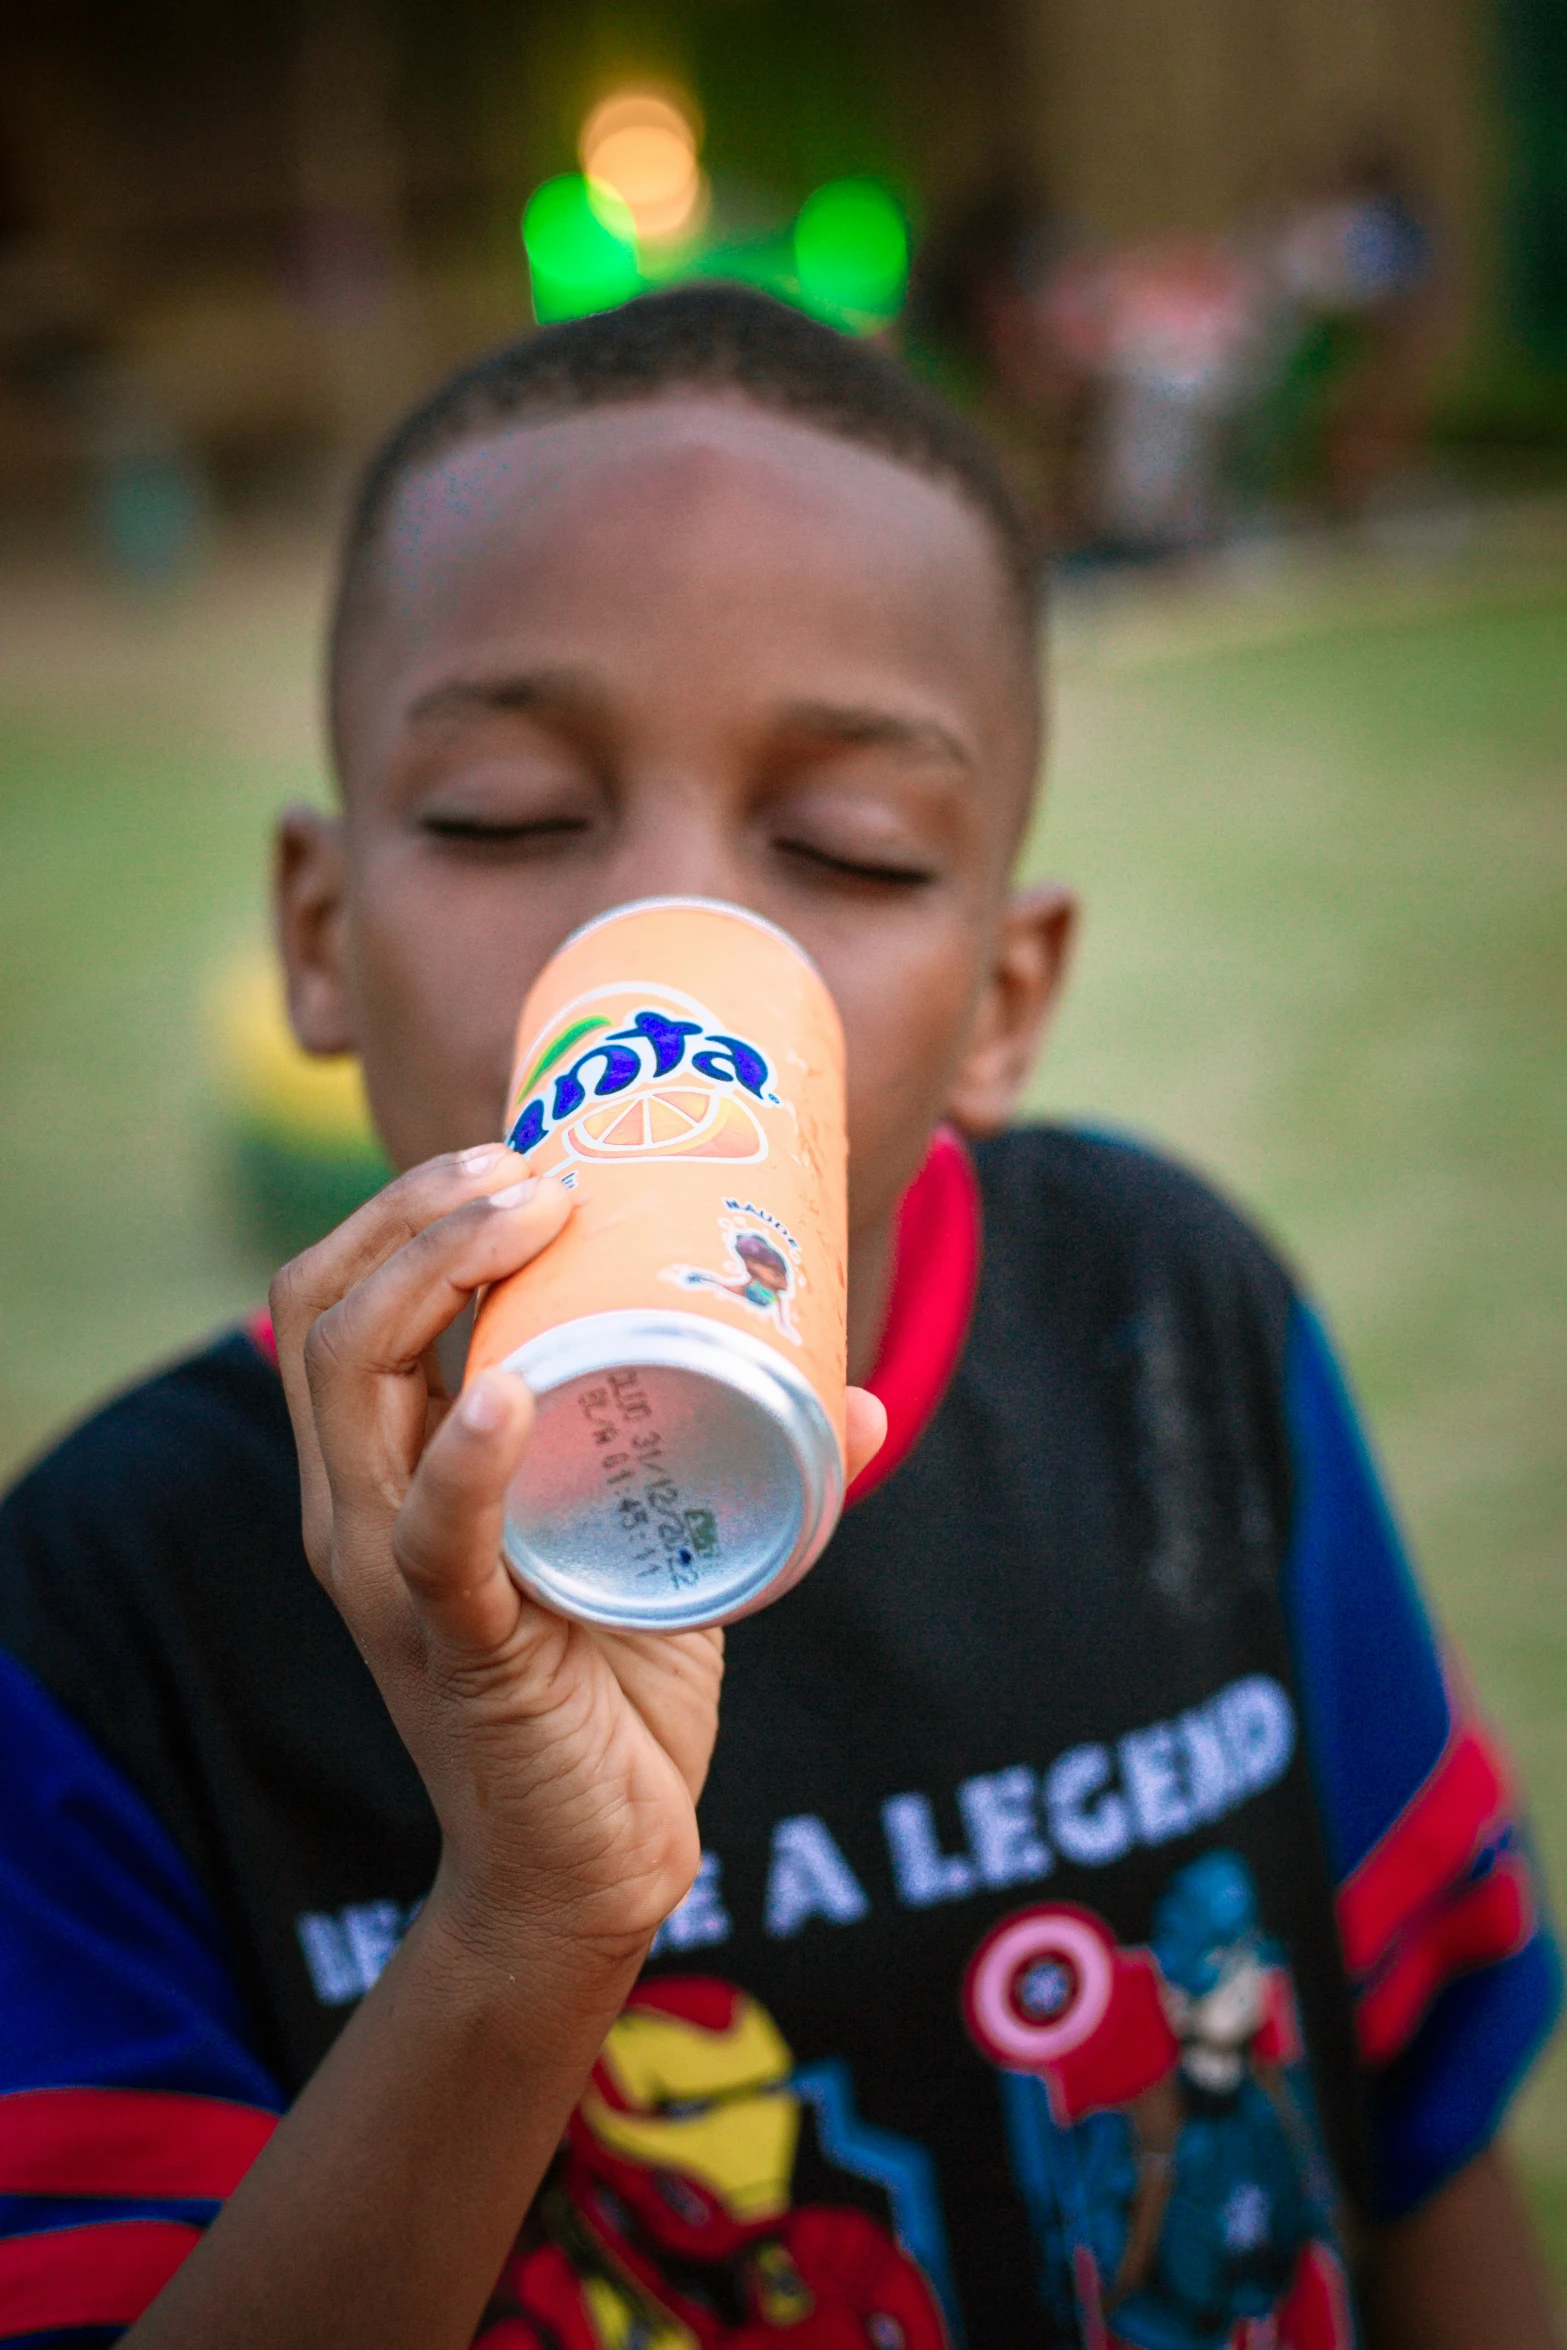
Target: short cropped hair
702, 338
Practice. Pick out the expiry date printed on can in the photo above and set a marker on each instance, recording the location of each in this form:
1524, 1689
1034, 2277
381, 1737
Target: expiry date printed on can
663, 1538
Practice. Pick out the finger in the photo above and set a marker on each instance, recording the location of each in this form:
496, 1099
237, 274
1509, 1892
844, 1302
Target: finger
388, 1322
364, 1356
864, 1428
321, 1275
447, 1539
314, 1280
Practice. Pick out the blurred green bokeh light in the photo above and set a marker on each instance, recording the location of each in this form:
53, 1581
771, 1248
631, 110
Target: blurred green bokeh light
581, 247
851, 254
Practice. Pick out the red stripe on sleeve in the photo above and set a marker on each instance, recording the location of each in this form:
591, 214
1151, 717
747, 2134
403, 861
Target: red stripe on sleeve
1487, 1922
935, 1277
102, 2275
129, 2142
1432, 1843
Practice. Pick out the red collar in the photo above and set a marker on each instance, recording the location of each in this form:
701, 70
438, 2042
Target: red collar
262, 1336
935, 1273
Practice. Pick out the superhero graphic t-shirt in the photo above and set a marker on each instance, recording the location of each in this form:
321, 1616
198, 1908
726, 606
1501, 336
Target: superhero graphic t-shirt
1108, 1904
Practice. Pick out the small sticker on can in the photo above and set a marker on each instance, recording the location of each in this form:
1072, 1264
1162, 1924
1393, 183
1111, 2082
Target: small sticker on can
757, 1272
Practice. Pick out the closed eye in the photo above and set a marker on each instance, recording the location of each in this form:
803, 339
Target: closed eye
486, 832
873, 870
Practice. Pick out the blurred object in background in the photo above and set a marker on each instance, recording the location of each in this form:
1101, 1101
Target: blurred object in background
640, 214
581, 243
996, 316
147, 491
1172, 330
233, 245
1356, 336
851, 256
84, 419
344, 260
1151, 397
645, 145
295, 1133
1533, 46
632, 215
1107, 376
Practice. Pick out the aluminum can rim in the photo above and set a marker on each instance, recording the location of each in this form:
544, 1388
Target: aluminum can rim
692, 905
637, 1336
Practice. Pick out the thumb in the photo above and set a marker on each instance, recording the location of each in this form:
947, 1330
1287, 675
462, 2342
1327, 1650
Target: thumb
447, 1539
864, 1429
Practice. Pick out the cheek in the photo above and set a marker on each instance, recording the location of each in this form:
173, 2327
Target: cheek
436, 994
905, 1033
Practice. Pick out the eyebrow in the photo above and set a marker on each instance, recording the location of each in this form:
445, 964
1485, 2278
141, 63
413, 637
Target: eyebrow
573, 693
566, 690
863, 723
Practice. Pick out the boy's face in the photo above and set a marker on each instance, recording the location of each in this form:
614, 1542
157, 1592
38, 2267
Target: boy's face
683, 648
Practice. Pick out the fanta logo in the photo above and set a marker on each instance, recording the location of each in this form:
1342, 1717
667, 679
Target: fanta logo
647, 1060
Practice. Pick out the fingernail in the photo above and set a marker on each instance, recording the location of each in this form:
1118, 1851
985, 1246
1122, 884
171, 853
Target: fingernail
515, 1194
481, 1408
482, 1157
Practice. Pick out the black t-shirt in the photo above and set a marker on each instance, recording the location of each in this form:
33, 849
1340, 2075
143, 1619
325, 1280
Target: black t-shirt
1051, 1863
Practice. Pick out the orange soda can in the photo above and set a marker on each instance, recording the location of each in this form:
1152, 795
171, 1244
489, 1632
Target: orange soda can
681, 1061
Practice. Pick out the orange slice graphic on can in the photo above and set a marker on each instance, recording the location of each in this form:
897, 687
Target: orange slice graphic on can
669, 1122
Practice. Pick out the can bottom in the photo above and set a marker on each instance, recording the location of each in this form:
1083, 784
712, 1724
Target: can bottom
680, 1473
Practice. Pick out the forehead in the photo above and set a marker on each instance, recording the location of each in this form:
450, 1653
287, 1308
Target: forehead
644, 535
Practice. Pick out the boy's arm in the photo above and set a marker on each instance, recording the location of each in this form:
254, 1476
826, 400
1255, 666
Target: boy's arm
383, 2209
563, 1767
1451, 1963
1462, 2272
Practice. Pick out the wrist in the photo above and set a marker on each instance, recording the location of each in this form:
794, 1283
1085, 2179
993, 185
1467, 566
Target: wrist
550, 1993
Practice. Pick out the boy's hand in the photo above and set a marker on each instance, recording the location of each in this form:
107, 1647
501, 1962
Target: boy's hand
563, 1762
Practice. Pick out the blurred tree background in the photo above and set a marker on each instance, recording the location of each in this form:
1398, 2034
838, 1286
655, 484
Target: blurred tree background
241, 238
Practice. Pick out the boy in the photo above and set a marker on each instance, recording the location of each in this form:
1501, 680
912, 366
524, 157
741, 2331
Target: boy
1106, 1924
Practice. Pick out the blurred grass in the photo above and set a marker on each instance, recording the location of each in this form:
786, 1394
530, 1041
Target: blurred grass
1318, 813
144, 748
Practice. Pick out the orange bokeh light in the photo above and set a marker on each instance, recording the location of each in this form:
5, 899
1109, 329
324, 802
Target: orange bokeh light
643, 144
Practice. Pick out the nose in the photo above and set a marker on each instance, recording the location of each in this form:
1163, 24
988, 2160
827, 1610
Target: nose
685, 839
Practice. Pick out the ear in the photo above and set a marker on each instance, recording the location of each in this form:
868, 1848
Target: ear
1015, 1005
308, 877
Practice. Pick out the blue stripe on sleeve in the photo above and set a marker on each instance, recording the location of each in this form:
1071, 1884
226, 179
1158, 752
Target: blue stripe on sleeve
1377, 1717
113, 1969
31, 2215
1442, 2101
74, 2338
1372, 1693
